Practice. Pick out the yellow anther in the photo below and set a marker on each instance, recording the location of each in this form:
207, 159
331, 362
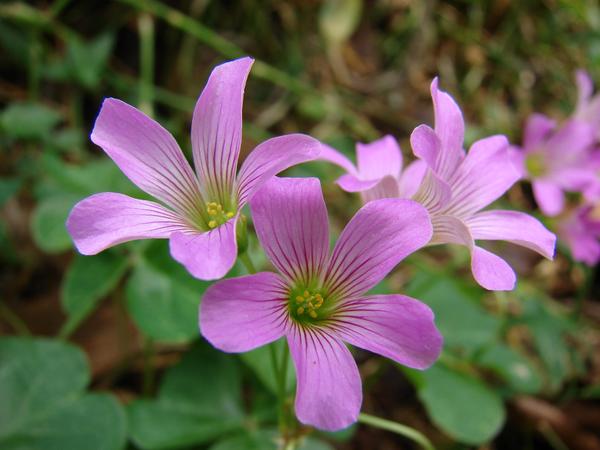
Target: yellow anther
212, 224
312, 314
229, 215
300, 310
306, 294
300, 299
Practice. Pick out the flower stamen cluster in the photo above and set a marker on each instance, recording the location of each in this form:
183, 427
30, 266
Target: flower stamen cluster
308, 302
218, 216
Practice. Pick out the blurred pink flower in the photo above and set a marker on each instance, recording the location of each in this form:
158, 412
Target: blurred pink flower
453, 185
588, 105
557, 160
318, 301
200, 210
580, 230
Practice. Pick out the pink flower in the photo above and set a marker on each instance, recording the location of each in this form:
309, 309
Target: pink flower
199, 210
588, 105
454, 186
317, 300
557, 160
580, 229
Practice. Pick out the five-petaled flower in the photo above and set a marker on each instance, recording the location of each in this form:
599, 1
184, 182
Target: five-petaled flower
454, 186
318, 301
199, 211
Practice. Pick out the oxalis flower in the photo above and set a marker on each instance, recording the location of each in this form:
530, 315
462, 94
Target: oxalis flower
317, 300
580, 230
199, 211
453, 185
557, 160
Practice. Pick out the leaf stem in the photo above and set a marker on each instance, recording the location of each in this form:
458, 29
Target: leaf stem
395, 427
14, 320
247, 262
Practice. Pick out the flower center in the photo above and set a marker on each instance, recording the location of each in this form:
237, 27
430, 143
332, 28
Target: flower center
217, 215
306, 305
535, 164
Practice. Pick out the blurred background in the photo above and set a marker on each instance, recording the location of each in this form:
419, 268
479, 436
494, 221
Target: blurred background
103, 352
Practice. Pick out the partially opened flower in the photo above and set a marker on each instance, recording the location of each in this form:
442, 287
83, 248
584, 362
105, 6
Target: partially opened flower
580, 229
454, 186
378, 173
557, 160
317, 300
198, 211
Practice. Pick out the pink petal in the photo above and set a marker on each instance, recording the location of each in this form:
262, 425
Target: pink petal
450, 230
433, 193
537, 129
351, 183
571, 141
206, 255
517, 158
513, 226
272, 157
147, 154
411, 179
291, 223
485, 174
395, 326
549, 197
241, 314
377, 238
379, 158
107, 219
491, 271
585, 88
426, 145
217, 128
328, 392
333, 156
450, 129
387, 187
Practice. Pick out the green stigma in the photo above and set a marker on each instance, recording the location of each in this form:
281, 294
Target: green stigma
306, 305
535, 164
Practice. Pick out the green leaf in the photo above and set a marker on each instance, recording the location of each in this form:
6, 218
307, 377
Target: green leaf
465, 325
162, 298
28, 120
48, 223
87, 60
198, 401
514, 368
100, 175
8, 188
549, 335
461, 405
87, 281
44, 405
267, 440
260, 362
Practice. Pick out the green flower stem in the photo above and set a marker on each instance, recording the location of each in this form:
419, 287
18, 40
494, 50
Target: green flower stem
247, 262
279, 367
146, 88
395, 427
